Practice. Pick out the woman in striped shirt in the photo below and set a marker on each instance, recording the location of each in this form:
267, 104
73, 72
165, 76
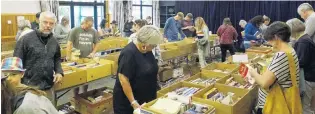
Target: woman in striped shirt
278, 35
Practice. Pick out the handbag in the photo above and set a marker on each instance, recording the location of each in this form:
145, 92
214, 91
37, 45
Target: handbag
284, 100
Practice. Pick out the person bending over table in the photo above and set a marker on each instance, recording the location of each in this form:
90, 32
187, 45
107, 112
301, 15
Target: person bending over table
137, 72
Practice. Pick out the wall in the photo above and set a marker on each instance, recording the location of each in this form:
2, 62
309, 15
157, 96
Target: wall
20, 6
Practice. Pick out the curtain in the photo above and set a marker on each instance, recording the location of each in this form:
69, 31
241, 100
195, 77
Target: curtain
156, 13
214, 12
122, 10
117, 13
50, 5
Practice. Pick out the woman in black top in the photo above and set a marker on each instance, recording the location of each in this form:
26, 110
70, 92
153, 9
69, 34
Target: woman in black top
137, 72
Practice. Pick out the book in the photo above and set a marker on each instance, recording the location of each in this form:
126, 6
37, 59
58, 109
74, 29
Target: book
243, 71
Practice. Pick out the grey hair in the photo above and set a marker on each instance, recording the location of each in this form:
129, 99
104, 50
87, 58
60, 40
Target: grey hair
304, 7
266, 18
23, 23
47, 14
296, 26
149, 34
242, 22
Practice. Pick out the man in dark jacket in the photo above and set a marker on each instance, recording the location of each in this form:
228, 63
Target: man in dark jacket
40, 53
35, 23
128, 26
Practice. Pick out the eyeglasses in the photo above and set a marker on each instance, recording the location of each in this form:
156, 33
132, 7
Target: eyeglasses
10, 74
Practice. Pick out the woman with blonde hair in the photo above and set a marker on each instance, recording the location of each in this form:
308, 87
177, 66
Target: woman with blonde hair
203, 45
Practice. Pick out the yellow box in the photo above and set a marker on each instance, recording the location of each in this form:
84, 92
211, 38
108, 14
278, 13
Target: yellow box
72, 79
177, 85
114, 58
236, 77
213, 36
263, 50
102, 70
104, 46
243, 106
204, 75
229, 68
148, 105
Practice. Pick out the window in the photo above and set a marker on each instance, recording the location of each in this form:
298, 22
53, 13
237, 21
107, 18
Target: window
142, 9
136, 12
100, 14
80, 12
64, 11
77, 10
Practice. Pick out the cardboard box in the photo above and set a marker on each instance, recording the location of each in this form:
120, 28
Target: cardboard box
148, 105
263, 50
236, 77
228, 68
104, 106
243, 106
204, 75
169, 52
114, 58
104, 69
77, 77
171, 88
251, 57
166, 75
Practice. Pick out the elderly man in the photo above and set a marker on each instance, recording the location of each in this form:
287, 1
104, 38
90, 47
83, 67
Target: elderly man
172, 28
40, 53
83, 38
306, 11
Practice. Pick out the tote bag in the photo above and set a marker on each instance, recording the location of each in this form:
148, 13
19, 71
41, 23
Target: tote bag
284, 100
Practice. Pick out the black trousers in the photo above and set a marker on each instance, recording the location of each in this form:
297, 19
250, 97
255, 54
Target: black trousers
224, 48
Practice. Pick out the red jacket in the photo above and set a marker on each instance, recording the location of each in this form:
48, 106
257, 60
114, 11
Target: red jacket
227, 34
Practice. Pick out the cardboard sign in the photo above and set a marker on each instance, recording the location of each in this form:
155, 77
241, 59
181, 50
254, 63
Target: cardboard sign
243, 70
240, 58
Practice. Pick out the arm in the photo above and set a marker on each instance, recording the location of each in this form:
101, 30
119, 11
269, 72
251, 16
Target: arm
71, 39
167, 24
205, 32
126, 73
95, 42
248, 32
265, 80
124, 81
270, 75
58, 31
181, 33
310, 28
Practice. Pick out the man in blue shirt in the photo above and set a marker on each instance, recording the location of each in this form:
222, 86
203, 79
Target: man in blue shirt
173, 27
